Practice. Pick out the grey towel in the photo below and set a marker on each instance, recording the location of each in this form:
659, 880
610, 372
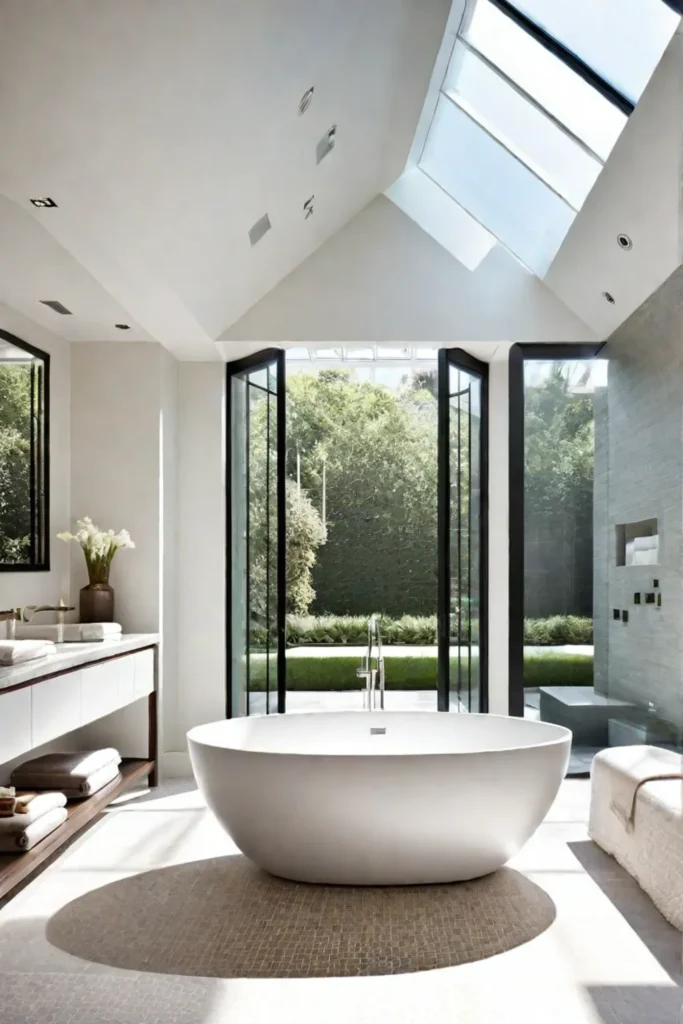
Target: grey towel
16, 842
65, 772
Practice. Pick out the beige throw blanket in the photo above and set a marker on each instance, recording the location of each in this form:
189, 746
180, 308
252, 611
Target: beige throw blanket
636, 766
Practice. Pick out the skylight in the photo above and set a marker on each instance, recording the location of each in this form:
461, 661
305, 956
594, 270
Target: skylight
534, 98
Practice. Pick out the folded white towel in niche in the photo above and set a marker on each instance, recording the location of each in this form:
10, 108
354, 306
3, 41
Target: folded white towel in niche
14, 652
72, 632
645, 557
645, 543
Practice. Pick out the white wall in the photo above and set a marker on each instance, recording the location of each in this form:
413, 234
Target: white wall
123, 474
383, 278
637, 192
201, 547
20, 588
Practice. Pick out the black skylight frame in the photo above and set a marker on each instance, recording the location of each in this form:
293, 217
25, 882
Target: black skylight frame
569, 58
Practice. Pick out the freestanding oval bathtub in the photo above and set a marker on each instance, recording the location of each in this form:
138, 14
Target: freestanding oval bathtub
379, 798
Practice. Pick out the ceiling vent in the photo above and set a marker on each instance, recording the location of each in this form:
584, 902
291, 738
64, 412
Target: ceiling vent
309, 208
57, 306
260, 228
326, 144
43, 202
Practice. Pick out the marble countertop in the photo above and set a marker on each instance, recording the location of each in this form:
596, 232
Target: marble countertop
69, 656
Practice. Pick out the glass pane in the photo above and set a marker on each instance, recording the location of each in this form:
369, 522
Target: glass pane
521, 127
298, 353
359, 353
259, 590
254, 541
240, 579
564, 94
392, 353
327, 353
495, 187
465, 532
623, 40
565, 573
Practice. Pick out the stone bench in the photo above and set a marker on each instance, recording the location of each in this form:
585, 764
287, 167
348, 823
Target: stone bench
651, 850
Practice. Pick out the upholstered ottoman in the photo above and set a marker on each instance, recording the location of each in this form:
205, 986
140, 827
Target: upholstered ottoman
638, 819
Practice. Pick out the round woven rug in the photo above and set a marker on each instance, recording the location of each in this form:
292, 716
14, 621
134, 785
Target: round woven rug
226, 918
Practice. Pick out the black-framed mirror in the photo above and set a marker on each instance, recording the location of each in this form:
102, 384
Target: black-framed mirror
24, 456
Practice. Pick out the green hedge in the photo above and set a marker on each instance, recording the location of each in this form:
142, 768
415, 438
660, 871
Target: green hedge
409, 673
421, 630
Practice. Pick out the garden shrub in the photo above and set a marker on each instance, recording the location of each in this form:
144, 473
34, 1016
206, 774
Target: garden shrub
421, 630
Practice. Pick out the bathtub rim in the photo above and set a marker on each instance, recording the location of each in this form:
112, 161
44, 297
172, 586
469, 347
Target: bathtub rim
564, 735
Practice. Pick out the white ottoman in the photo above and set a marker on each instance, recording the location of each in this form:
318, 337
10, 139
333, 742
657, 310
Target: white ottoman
651, 848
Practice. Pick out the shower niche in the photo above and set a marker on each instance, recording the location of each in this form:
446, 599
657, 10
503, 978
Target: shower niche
637, 543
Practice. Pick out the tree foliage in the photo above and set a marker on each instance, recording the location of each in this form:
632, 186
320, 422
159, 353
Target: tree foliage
15, 432
377, 449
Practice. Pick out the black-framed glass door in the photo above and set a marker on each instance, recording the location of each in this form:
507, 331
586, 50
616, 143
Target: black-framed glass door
462, 533
255, 533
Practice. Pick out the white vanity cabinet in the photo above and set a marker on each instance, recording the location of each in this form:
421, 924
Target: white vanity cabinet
56, 698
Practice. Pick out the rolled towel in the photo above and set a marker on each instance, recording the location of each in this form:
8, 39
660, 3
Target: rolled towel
15, 842
15, 652
94, 783
67, 772
30, 807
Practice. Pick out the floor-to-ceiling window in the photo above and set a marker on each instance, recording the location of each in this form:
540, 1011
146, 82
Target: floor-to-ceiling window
357, 523
557, 396
255, 522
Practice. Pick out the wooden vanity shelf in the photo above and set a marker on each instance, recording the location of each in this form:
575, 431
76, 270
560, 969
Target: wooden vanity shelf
16, 867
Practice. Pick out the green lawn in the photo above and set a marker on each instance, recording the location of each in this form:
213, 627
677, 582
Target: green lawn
418, 673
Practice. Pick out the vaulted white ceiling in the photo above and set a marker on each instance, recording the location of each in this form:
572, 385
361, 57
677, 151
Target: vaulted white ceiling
164, 129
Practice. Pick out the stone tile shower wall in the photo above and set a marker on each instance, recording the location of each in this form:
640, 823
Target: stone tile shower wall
643, 658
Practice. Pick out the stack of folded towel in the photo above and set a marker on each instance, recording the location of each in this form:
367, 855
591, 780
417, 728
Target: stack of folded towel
72, 632
76, 775
15, 652
34, 816
642, 551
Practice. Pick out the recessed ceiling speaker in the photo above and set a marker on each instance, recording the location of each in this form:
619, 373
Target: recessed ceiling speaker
624, 241
259, 229
306, 100
58, 307
608, 297
326, 144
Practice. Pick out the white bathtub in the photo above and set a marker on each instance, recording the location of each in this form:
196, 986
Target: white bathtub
429, 797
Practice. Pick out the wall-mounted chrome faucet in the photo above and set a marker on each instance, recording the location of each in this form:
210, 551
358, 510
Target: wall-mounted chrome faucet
366, 670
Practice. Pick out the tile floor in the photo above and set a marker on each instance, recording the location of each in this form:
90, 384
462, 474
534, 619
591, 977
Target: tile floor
608, 957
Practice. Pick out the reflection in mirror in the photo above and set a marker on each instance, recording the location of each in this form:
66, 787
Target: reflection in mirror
24, 444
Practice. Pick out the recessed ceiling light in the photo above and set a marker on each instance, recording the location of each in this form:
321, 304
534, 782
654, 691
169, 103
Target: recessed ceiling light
123, 327
308, 208
44, 202
306, 100
608, 297
624, 241
326, 144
